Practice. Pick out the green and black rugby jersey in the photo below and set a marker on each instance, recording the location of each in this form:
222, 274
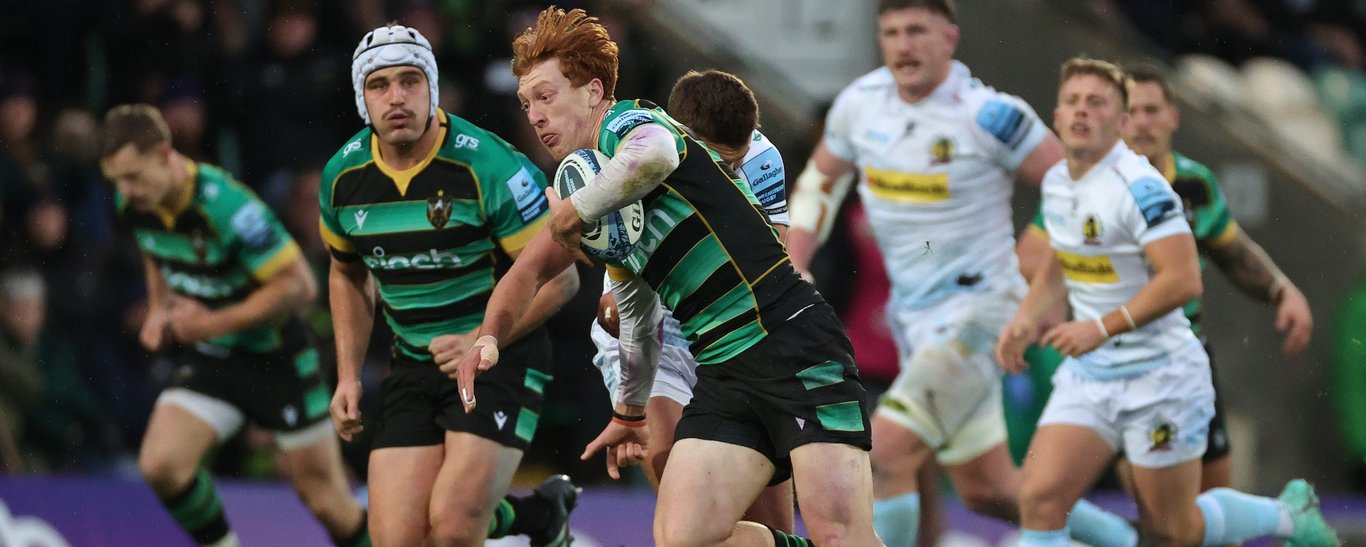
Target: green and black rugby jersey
1206, 211
217, 246
438, 235
708, 248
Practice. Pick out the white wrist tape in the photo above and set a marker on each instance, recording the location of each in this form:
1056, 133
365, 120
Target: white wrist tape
816, 200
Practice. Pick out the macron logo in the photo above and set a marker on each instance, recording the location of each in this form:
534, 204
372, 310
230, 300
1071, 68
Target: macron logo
801, 424
360, 219
500, 418
350, 147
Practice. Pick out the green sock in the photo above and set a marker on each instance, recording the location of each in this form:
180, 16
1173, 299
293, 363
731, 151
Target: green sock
503, 517
358, 538
199, 510
781, 539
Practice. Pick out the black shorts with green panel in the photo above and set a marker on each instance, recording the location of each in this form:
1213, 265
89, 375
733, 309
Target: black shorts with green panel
437, 237
776, 369
280, 390
218, 246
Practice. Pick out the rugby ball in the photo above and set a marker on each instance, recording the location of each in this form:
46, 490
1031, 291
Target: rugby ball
613, 237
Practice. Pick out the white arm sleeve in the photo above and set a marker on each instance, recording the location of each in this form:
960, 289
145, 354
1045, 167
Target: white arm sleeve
648, 154
640, 315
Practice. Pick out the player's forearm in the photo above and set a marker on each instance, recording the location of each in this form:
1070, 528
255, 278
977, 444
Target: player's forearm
801, 247
1168, 289
548, 300
647, 156
1046, 291
283, 294
640, 315
352, 301
782, 232
1249, 268
158, 293
814, 203
536, 265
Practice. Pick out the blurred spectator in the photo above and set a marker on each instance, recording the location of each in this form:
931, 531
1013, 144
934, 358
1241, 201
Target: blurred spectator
298, 94
21, 172
185, 107
22, 298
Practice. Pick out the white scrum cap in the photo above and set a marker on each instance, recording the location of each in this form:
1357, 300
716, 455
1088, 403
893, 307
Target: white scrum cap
391, 45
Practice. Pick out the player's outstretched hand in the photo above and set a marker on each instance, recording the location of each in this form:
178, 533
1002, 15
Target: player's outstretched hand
345, 409
1294, 319
1074, 338
483, 355
1010, 347
566, 227
626, 446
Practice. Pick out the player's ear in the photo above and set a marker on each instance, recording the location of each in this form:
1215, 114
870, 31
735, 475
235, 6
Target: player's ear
595, 91
953, 34
163, 151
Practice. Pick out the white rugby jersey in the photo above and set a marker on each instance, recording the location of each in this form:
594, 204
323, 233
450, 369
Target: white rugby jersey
1098, 226
936, 178
761, 168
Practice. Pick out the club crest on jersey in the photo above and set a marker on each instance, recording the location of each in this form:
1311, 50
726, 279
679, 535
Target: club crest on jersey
1090, 230
941, 151
439, 209
1162, 436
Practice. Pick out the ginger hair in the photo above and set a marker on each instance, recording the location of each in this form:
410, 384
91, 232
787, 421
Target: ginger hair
578, 40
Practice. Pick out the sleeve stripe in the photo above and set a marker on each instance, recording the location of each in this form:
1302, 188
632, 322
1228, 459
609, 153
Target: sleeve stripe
518, 240
275, 263
618, 273
333, 240
1225, 237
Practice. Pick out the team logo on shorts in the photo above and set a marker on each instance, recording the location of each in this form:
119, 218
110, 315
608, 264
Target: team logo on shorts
941, 151
1090, 229
291, 415
1161, 436
439, 209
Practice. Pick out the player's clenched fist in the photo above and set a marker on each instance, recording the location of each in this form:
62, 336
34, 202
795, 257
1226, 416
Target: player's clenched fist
345, 409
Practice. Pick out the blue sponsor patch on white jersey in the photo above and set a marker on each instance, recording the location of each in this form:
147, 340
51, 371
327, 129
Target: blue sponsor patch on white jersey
1004, 121
1155, 199
531, 201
